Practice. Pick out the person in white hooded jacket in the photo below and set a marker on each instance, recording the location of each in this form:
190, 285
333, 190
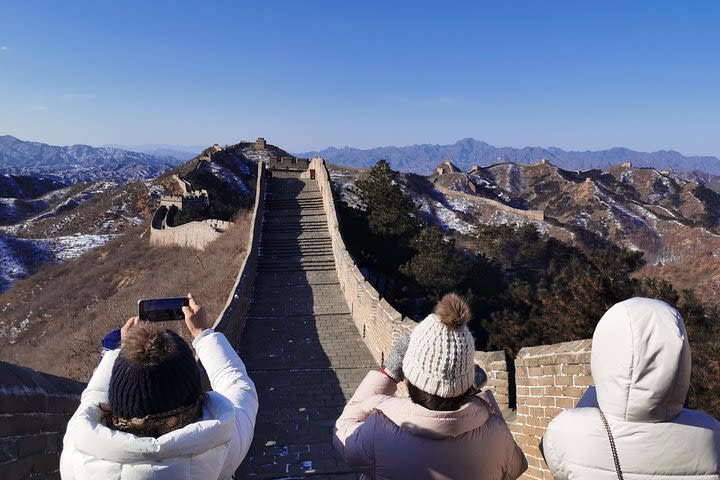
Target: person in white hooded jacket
143, 414
640, 364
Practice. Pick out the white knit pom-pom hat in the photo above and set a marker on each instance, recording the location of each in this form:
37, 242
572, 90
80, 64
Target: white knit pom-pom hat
439, 358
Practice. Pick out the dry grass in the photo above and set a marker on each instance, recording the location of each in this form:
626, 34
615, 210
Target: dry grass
70, 307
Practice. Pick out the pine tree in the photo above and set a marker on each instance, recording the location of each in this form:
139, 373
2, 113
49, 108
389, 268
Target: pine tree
391, 212
391, 216
437, 266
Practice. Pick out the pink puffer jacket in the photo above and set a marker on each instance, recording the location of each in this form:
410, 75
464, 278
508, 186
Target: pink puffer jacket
387, 437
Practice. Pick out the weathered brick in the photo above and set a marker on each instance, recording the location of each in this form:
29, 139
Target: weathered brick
536, 411
583, 381
16, 469
21, 424
552, 412
31, 445
55, 422
565, 402
535, 372
45, 462
575, 369
8, 449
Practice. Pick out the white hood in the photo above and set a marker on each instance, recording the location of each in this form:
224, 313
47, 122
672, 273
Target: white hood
641, 361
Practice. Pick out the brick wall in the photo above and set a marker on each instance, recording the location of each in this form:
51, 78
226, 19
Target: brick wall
536, 215
549, 379
34, 410
231, 320
193, 234
546, 379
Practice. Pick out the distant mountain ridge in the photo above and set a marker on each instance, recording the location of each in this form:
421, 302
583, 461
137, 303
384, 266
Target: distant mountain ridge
468, 152
79, 163
180, 152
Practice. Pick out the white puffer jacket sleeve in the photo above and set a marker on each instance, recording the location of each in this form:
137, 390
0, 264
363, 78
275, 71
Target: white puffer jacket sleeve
229, 378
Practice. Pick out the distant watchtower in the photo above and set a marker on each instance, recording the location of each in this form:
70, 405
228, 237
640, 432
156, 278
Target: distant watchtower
260, 144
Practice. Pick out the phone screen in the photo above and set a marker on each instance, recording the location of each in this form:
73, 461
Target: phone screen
162, 309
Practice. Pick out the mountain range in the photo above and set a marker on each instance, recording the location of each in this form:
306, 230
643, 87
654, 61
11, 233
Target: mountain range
79, 163
469, 152
180, 152
675, 221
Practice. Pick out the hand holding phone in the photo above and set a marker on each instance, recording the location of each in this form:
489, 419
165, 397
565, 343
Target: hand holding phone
195, 317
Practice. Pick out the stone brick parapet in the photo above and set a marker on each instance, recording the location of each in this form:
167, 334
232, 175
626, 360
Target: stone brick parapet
549, 379
197, 234
231, 320
34, 410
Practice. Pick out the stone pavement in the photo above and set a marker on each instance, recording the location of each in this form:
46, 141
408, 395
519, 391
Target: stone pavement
300, 345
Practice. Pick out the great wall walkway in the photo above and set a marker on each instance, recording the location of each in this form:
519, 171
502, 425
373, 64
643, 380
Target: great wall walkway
300, 345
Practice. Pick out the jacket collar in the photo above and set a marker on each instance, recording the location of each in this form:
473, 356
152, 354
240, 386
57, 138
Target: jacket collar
93, 438
420, 421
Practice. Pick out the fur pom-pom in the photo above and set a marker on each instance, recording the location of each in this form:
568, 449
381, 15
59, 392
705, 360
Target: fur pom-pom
453, 311
146, 344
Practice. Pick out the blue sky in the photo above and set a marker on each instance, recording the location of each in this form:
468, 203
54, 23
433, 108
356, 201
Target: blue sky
577, 75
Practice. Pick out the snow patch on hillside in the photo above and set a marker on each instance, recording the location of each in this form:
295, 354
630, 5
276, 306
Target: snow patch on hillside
227, 176
257, 155
443, 216
12, 332
19, 256
72, 246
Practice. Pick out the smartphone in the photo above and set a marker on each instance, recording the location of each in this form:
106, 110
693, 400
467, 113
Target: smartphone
162, 309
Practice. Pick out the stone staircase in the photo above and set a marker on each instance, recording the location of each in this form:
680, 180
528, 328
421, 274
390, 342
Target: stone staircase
300, 345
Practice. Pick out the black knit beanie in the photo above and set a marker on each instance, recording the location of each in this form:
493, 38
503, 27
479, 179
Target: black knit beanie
163, 379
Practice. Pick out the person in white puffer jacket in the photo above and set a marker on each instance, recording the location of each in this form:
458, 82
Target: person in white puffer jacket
640, 364
143, 414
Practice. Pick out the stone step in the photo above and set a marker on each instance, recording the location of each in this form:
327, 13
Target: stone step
284, 196
270, 238
267, 262
289, 255
288, 214
313, 247
294, 211
292, 247
309, 249
291, 265
278, 263
271, 206
298, 269
294, 199
294, 241
295, 253
296, 230
308, 223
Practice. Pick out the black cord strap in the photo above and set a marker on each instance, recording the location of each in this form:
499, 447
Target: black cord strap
612, 445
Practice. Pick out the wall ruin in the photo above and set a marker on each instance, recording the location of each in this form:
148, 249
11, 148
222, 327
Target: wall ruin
535, 215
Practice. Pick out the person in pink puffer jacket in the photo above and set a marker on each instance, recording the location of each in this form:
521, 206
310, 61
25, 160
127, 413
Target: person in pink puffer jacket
445, 429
